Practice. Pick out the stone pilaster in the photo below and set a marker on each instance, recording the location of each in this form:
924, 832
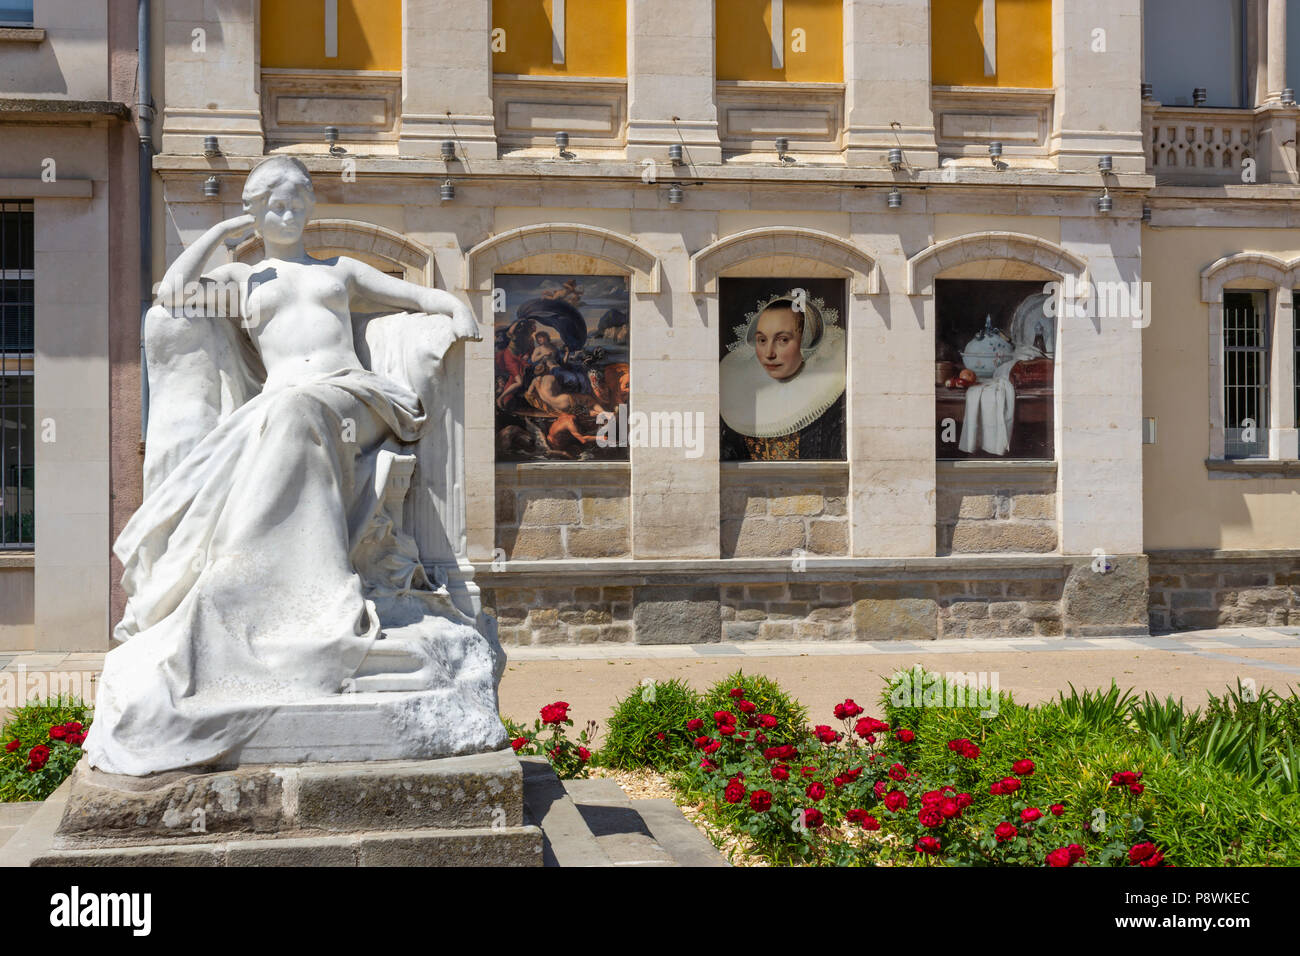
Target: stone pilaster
671, 81
211, 76
1097, 69
447, 79
887, 82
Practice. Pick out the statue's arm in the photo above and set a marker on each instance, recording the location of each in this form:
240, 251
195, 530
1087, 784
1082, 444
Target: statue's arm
184, 277
389, 290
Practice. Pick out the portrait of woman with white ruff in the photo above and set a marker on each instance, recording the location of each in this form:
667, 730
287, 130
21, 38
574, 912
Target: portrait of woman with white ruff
782, 378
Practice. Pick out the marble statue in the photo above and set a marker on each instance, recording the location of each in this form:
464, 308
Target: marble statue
278, 607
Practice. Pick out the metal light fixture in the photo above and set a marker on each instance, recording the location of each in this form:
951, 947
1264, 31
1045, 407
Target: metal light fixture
1199, 96
211, 148
1146, 213
1148, 91
783, 149
675, 154
995, 155
1104, 202
332, 137
675, 194
562, 143
1106, 164
895, 158
211, 187
447, 190
448, 150
1288, 97
895, 199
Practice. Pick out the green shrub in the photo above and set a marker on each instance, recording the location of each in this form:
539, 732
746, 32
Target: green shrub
38, 749
791, 716
648, 727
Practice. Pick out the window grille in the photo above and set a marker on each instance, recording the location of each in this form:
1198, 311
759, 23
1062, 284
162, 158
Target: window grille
1245, 374
17, 406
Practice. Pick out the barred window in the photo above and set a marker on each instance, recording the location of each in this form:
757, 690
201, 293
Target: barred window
15, 13
1246, 335
17, 409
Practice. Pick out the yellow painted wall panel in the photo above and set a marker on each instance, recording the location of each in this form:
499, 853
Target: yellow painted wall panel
369, 35
1024, 43
1182, 506
595, 38
813, 38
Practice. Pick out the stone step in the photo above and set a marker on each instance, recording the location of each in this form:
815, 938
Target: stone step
616, 825
566, 839
677, 835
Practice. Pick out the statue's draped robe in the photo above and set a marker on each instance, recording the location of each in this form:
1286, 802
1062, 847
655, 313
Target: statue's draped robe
242, 586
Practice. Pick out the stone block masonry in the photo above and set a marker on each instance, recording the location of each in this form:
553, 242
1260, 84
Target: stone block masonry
583, 514
1193, 589
767, 517
648, 602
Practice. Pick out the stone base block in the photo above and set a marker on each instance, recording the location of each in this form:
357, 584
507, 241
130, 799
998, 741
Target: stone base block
447, 812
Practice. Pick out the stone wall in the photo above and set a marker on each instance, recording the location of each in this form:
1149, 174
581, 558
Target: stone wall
925, 599
773, 509
1199, 589
995, 507
555, 511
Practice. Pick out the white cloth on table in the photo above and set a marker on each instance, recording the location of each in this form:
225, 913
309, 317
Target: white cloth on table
991, 409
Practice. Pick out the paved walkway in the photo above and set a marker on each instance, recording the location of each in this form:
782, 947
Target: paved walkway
593, 677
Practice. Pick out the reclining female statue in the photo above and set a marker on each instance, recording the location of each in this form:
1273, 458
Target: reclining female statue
251, 568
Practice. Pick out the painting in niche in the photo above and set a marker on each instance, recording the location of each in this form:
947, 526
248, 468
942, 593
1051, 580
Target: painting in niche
995, 354
783, 363
561, 364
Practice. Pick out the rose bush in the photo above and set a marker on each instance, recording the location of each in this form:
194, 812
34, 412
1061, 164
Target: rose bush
548, 738
41, 745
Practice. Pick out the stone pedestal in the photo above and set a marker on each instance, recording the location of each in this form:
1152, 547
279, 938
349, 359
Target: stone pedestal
455, 811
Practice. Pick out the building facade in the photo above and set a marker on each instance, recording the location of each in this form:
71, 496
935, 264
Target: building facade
69, 312
1031, 262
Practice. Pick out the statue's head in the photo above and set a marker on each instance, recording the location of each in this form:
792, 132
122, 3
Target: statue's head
279, 195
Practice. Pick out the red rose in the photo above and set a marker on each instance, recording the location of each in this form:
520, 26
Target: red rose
695, 724
1155, 859
1030, 814
702, 742
780, 772
896, 800
825, 734
898, 772
1023, 767
76, 739
37, 757
735, 792
708, 765
1076, 852
727, 729
1056, 809
73, 727
58, 732
712, 746
584, 754
13, 745
767, 721
807, 771
760, 801
851, 775
661, 736
815, 791
995, 788
964, 800
847, 710
724, 718
1142, 852
930, 817
870, 823
970, 751
1059, 857
1136, 789
1005, 831
956, 745
737, 692
879, 787
928, 845
950, 809
931, 799
556, 713
869, 725
747, 706
519, 742
905, 736
812, 818
760, 738
1125, 778
1009, 785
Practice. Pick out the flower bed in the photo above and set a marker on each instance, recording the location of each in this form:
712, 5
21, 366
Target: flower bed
39, 746
1093, 779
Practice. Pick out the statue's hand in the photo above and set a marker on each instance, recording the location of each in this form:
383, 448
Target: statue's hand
238, 228
463, 323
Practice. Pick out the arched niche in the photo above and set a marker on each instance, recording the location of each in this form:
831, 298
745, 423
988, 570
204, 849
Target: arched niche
784, 250
534, 248
992, 255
